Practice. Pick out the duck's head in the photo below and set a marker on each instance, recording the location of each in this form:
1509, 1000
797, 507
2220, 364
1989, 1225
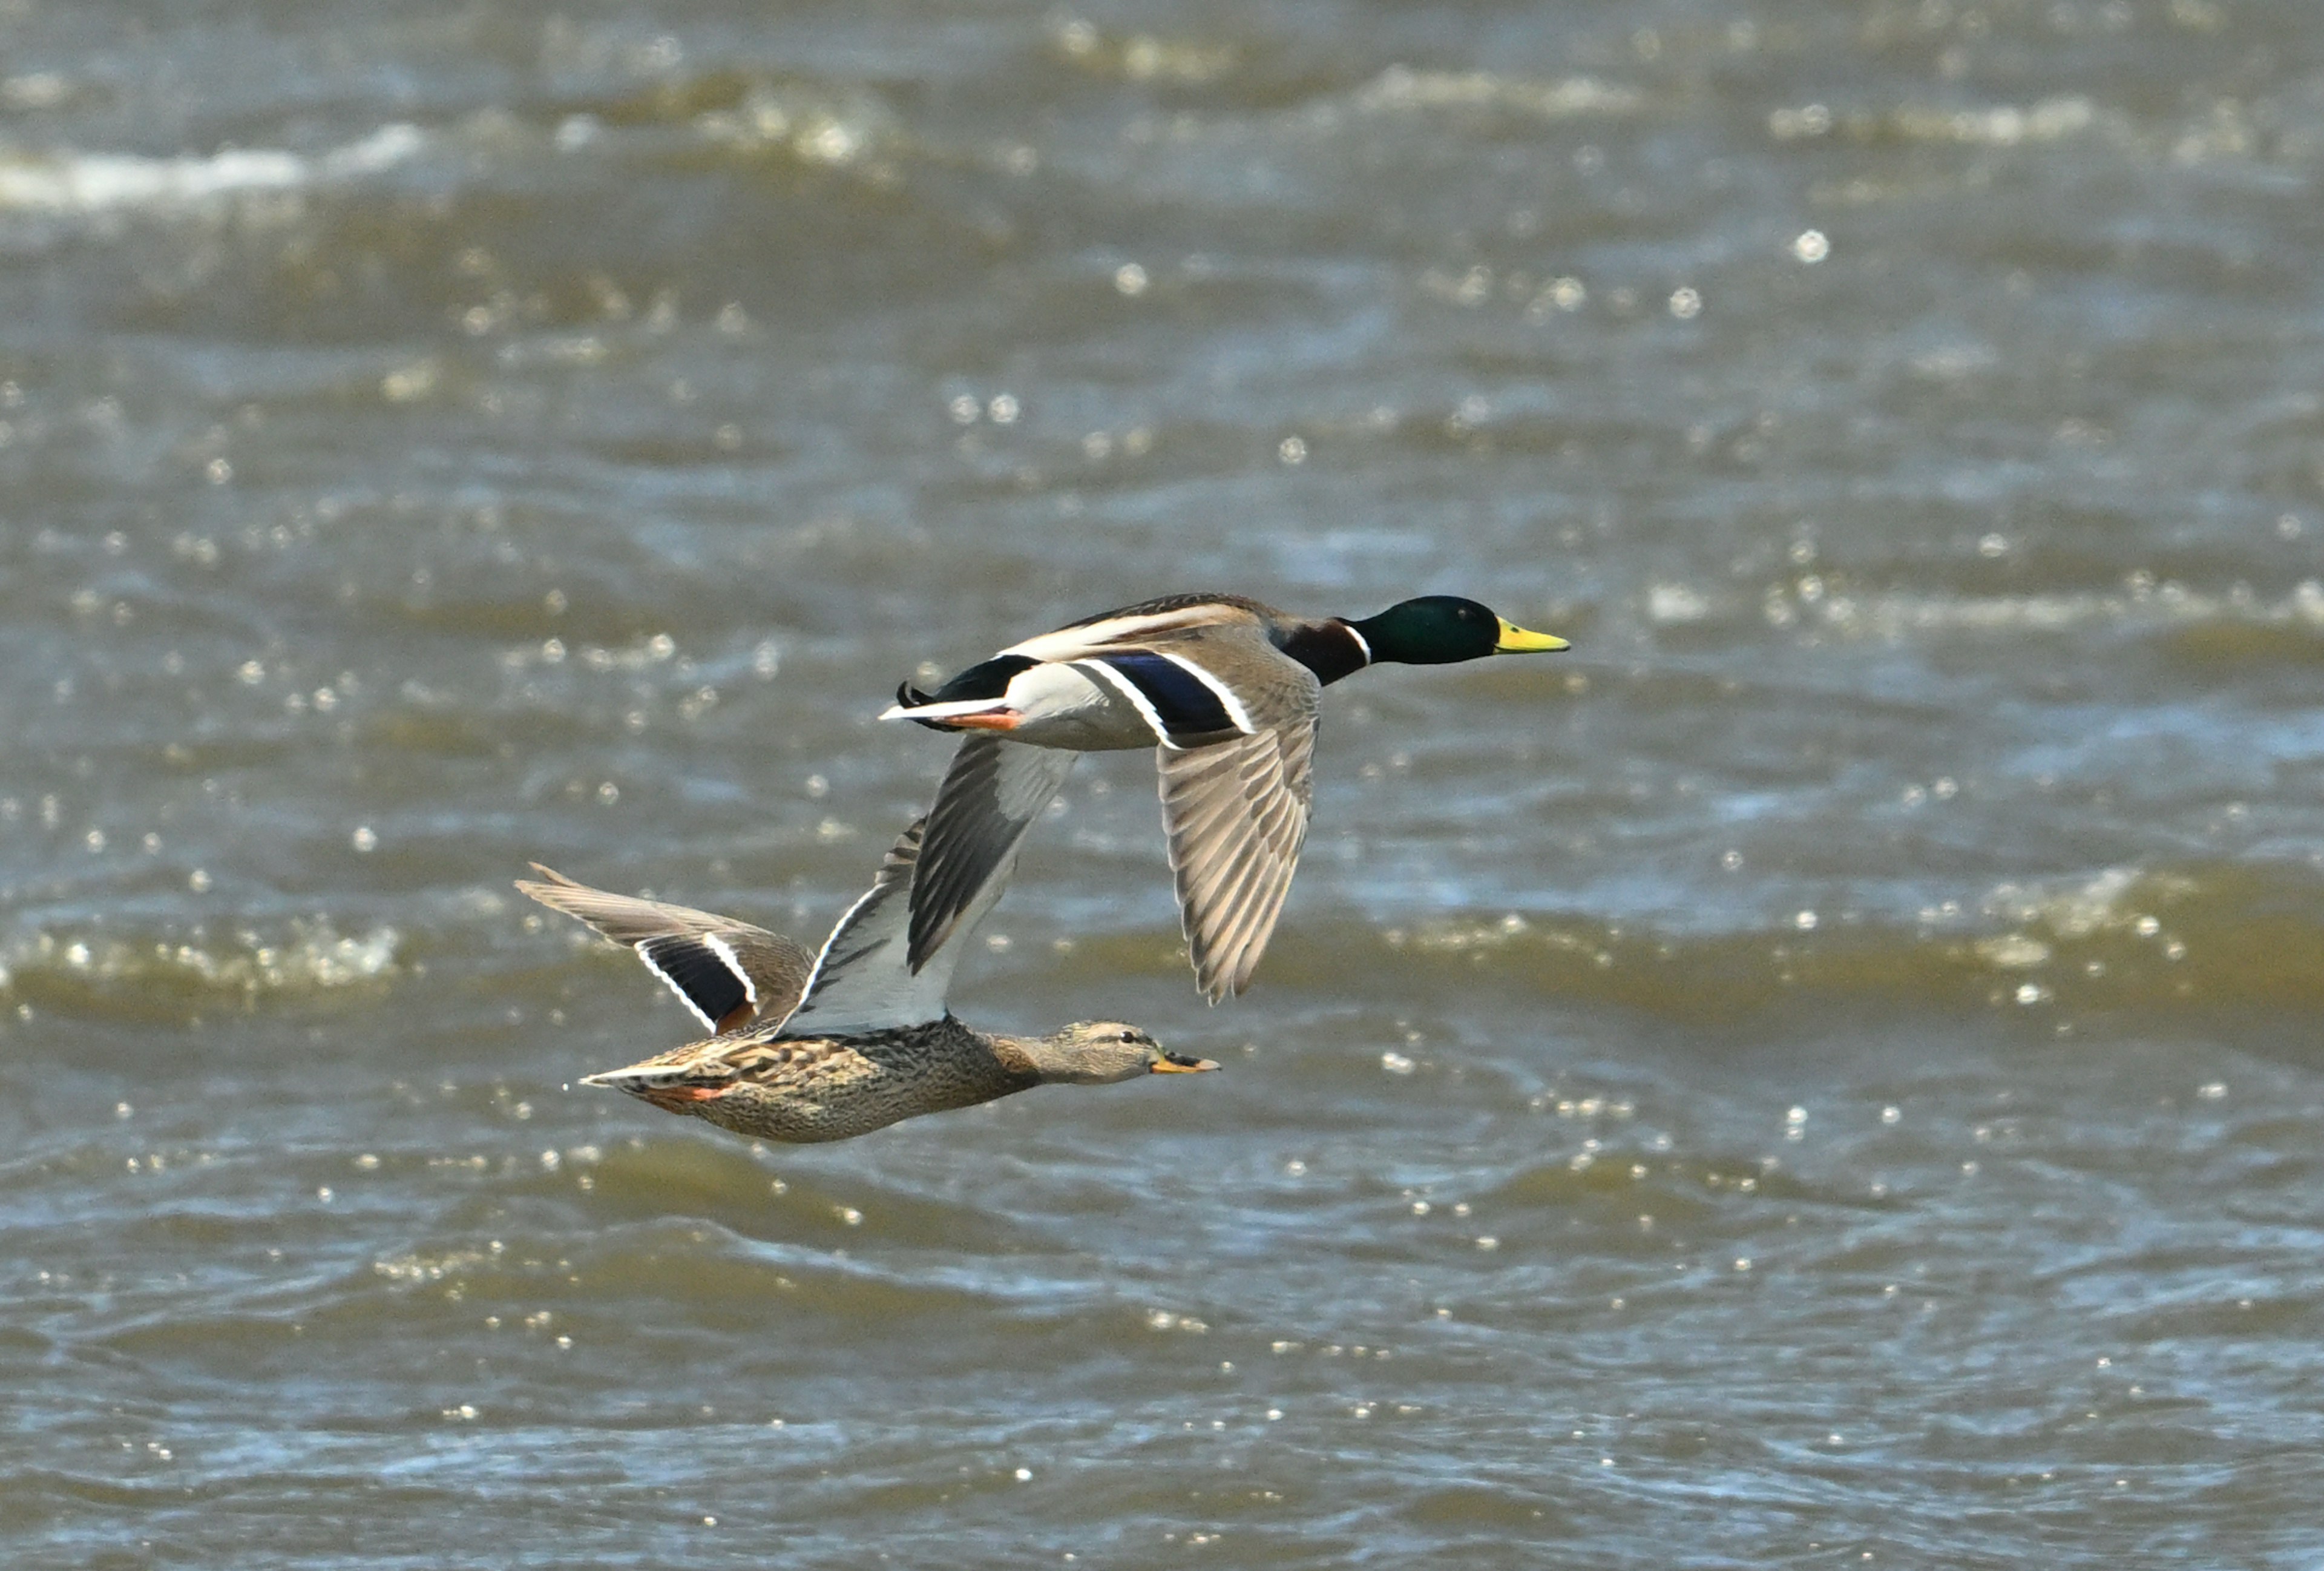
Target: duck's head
1104, 1052
1437, 630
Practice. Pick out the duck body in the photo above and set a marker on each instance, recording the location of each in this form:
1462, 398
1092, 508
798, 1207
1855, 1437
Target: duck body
805, 1090
1173, 673
808, 1089
869, 1041
1226, 689
1060, 704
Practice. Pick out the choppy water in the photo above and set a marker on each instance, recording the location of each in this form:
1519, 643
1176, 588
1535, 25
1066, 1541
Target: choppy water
1829, 1073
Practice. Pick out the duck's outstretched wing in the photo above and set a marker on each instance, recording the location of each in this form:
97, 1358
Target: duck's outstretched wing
1236, 813
994, 792
729, 973
863, 980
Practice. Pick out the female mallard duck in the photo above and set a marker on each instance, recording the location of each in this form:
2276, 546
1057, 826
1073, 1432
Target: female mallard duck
1227, 690
872, 1041
729, 973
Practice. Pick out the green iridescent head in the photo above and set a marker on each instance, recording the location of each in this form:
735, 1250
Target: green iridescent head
1437, 630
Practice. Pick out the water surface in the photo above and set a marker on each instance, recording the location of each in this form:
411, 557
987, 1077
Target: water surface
1826, 1074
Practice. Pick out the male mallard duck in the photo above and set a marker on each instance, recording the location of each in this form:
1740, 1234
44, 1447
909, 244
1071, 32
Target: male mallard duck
871, 1042
1226, 689
729, 973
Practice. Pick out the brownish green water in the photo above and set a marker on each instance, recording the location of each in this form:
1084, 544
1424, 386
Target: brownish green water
1827, 1073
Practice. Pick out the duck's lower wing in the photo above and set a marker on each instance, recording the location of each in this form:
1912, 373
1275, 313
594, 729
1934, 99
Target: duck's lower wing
994, 792
1236, 813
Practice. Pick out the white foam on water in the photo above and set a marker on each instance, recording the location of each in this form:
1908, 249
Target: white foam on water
2115, 900
1895, 616
1899, 616
101, 182
312, 956
834, 130
2000, 126
1401, 87
1676, 603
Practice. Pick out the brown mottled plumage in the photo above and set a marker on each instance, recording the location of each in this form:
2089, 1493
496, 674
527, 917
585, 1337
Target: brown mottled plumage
872, 1041
804, 1089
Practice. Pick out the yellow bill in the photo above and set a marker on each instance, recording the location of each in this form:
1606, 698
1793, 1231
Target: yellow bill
1516, 640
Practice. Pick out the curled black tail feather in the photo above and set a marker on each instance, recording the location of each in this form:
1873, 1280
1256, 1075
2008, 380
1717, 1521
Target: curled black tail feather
908, 696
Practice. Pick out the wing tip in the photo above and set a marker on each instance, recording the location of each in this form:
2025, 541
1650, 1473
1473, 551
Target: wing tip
550, 880
917, 951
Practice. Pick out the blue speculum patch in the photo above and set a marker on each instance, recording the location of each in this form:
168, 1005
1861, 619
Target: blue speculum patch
697, 971
1187, 707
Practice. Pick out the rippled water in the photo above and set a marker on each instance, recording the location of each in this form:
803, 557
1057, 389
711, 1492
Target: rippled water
1827, 1073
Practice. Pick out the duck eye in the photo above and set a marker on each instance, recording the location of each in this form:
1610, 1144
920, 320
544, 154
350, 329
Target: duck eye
1129, 1036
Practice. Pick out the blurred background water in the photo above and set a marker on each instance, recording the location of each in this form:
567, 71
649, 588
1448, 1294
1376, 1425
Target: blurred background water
1826, 1074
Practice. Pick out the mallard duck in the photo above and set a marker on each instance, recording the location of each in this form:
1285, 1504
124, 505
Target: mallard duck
1226, 689
872, 1041
729, 973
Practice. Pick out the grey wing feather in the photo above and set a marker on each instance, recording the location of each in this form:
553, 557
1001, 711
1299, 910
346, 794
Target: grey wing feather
991, 795
1272, 689
1236, 813
861, 981
714, 964
624, 918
